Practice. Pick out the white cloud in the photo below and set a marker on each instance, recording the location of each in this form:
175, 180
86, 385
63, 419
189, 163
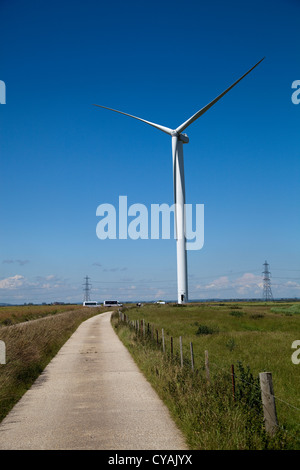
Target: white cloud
12, 282
219, 283
160, 294
40, 283
249, 284
246, 285
292, 284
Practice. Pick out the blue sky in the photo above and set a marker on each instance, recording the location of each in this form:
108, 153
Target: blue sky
61, 157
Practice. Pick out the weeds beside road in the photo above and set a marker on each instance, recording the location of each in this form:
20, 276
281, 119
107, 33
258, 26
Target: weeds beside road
31, 345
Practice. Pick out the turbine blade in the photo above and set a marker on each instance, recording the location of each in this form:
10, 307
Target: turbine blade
157, 126
199, 113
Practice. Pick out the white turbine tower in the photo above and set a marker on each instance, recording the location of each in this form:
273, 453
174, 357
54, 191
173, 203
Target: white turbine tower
178, 139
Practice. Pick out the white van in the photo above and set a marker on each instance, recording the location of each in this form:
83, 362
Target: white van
112, 303
91, 303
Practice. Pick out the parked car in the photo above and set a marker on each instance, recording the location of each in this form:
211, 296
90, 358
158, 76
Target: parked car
112, 303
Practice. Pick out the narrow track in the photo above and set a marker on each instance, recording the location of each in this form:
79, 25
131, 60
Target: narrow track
91, 396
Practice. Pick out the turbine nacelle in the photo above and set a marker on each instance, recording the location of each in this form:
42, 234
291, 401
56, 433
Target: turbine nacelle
182, 137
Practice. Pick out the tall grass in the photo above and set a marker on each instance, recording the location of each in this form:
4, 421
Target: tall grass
256, 341
29, 348
11, 315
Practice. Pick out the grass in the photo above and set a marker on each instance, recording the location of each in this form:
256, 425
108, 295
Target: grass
15, 314
287, 309
32, 340
257, 340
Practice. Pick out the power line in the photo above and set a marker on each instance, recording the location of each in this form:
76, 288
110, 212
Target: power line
293, 278
283, 269
191, 279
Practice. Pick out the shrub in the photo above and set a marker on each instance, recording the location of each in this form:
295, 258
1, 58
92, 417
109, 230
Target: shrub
231, 344
205, 330
236, 314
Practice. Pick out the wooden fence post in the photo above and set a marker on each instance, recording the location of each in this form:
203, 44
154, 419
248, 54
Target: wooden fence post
192, 356
2, 352
163, 339
207, 367
171, 347
268, 401
181, 354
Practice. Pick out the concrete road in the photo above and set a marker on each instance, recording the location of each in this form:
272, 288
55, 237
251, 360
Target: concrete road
91, 396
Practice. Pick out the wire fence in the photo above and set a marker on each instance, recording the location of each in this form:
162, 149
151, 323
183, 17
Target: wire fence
157, 338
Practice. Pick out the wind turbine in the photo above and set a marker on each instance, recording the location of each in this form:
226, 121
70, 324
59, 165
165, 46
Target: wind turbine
178, 139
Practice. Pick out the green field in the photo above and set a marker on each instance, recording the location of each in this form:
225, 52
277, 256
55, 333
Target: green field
254, 337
